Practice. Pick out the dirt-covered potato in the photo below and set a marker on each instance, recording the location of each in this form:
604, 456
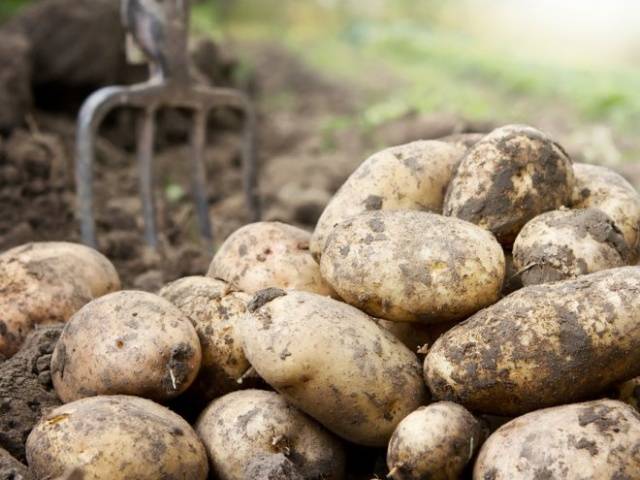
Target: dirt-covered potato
333, 362
542, 345
434, 442
46, 283
591, 440
242, 426
127, 342
563, 244
214, 308
629, 392
411, 266
406, 177
116, 437
510, 176
268, 254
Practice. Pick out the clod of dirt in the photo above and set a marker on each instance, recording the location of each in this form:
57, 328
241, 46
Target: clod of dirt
15, 80
12, 469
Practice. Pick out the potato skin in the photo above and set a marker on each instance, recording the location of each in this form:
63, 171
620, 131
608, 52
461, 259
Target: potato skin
595, 440
116, 437
542, 345
244, 425
411, 266
510, 176
563, 244
127, 342
333, 362
413, 176
268, 254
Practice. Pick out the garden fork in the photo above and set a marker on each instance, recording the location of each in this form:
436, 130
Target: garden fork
160, 29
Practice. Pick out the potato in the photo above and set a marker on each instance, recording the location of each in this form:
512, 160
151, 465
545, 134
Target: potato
434, 442
563, 244
629, 392
127, 342
411, 266
250, 424
332, 362
542, 345
602, 188
591, 440
510, 176
46, 283
116, 437
214, 308
268, 254
406, 177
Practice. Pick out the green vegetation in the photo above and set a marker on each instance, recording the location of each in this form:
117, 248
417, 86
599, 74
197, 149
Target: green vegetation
9, 7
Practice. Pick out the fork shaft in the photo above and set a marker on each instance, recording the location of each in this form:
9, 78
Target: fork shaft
249, 164
199, 174
146, 137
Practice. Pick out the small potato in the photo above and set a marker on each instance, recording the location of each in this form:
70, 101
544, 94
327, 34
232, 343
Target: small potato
591, 440
244, 426
434, 442
332, 362
127, 342
411, 266
564, 244
268, 254
629, 392
116, 437
406, 177
510, 176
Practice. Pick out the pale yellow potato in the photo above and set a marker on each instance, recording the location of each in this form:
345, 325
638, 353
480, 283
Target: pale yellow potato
591, 440
333, 362
543, 345
268, 254
411, 266
255, 424
413, 176
116, 437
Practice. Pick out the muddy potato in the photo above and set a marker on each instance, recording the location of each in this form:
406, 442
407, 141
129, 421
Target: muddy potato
411, 266
116, 437
268, 254
333, 362
242, 426
406, 177
434, 442
563, 244
542, 345
594, 440
629, 392
510, 176
127, 342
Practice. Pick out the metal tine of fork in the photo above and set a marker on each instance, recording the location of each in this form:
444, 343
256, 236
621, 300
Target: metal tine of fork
146, 136
199, 174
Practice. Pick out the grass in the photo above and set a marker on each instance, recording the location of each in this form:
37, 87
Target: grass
10, 7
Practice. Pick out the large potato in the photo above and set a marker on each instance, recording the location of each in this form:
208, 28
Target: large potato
268, 254
117, 438
46, 283
507, 178
411, 266
250, 424
406, 177
542, 345
564, 244
333, 362
592, 440
127, 342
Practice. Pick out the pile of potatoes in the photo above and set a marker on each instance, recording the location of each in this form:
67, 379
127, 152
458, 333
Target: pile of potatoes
467, 307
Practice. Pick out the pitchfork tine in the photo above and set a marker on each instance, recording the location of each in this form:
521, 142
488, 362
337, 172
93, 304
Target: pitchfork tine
249, 163
198, 173
146, 135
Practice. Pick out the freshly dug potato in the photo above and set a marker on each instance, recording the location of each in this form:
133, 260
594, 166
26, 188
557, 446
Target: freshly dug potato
602, 188
434, 442
127, 342
332, 362
510, 176
46, 283
411, 266
242, 426
563, 244
214, 308
268, 254
406, 177
591, 440
116, 437
629, 392
542, 345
